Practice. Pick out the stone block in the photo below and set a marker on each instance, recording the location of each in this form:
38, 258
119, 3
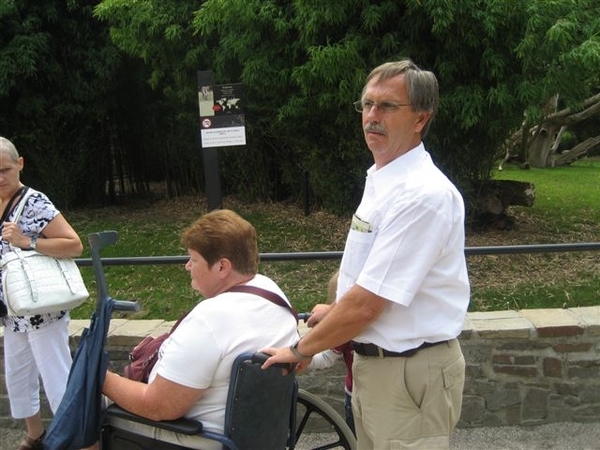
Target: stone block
473, 409
492, 420
501, 325
590, 316
503, 398
563, 401
513, 415
477, 353
587, 414
535, 404
516, 371
576, 347
552, 367
554, 322
591, 393
583, 371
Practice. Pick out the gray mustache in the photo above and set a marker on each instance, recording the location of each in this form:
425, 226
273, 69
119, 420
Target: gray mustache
375, 128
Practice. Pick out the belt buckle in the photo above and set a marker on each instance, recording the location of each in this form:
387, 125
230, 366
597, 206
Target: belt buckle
380, 352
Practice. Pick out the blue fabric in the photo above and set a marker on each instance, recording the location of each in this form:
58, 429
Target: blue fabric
80, 415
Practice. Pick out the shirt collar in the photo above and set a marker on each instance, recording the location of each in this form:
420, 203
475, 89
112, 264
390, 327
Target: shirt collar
396, 169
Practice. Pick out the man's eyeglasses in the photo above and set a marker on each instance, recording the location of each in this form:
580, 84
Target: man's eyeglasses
384, 107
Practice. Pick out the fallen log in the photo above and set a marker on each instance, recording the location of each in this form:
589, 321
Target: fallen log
492, 199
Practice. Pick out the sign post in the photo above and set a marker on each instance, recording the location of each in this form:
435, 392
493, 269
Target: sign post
222, 124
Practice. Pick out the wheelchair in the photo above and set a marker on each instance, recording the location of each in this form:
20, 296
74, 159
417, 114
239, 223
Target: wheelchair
265, 409
259, 414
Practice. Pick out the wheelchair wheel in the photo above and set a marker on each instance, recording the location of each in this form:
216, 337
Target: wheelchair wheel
319, 426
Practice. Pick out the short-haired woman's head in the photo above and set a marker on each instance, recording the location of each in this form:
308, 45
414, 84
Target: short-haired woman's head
224, 234
8, 149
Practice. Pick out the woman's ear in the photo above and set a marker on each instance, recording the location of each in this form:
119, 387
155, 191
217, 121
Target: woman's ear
224, 266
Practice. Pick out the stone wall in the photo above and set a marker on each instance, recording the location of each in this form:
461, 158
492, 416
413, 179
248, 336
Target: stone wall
523, 367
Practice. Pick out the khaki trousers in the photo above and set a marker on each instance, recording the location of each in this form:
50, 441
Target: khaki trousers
408, 403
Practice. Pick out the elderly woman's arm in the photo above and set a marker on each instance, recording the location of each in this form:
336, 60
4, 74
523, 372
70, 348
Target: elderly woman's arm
58, 238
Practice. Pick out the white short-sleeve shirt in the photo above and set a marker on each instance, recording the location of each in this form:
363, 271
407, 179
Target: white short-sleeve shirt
406, 244
200, 352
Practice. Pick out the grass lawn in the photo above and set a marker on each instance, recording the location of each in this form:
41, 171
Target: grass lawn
565, 210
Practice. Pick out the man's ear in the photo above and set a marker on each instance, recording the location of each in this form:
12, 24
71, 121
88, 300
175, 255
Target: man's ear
422, 119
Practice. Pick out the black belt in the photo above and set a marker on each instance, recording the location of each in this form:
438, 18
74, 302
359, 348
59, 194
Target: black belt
374, 350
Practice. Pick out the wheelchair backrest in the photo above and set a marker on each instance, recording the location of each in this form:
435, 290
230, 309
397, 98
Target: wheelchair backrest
261, 405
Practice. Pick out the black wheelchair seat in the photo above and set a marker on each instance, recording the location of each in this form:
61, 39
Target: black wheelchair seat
260, 414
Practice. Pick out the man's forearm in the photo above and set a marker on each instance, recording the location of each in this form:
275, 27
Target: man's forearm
354, 312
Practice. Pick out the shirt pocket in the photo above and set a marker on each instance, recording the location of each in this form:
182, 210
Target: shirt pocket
357, 250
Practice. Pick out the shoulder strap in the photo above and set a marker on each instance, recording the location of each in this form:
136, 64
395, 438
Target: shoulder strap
178, 321
269, 295
23, 192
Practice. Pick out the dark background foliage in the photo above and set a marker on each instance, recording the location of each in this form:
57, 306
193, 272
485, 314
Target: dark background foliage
100, 96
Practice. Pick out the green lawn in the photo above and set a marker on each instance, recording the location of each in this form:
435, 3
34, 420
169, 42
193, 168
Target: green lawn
565, 210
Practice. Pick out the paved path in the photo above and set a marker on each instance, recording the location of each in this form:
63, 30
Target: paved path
558, 436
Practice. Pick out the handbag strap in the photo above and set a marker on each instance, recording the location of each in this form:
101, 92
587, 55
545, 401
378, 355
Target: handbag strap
25, 194
264, 293
271, 296
179, 321
9, 206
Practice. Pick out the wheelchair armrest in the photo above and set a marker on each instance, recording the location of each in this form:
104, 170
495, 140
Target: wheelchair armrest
182, 425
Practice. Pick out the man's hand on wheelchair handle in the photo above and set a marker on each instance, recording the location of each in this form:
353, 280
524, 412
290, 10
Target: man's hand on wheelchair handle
284, 355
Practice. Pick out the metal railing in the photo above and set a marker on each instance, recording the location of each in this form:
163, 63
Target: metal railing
311, 256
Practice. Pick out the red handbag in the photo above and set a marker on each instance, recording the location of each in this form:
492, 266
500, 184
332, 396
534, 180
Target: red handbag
145, 354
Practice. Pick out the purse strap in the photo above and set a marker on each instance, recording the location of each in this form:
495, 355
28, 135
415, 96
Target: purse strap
23, 190
269, 295
183, 316
264, 293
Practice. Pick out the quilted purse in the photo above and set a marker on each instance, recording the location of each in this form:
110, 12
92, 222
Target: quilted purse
34, 283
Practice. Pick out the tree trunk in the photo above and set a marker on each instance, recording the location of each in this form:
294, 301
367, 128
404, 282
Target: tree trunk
577, 152
541, 148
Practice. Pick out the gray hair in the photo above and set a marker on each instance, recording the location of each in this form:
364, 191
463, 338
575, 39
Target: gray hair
8, 148
422, 85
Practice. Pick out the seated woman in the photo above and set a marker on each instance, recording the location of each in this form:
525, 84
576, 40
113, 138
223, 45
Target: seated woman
191, 376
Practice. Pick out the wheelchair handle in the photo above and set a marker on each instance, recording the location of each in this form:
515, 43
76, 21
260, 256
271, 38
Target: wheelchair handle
303, 316
261, 358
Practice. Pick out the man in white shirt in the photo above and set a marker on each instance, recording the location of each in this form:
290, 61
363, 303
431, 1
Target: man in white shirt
403, 288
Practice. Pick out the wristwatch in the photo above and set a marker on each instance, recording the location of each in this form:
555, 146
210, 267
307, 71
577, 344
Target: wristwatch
296, 352
33, 243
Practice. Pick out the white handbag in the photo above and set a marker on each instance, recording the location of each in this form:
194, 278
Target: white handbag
34, 283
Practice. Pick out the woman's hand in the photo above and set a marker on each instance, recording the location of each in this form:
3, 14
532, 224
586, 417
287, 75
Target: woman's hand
12, 233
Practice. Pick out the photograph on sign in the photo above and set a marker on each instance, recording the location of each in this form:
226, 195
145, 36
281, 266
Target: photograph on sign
206, 101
